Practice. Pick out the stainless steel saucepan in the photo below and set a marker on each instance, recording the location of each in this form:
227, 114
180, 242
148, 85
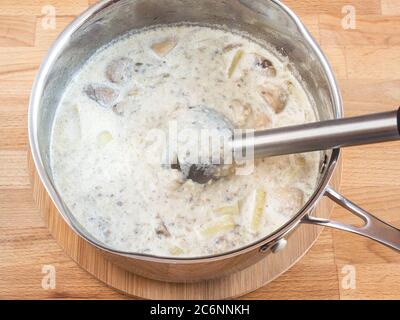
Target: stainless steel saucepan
267, 20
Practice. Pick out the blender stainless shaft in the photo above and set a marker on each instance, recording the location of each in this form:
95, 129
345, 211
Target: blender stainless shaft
322, 135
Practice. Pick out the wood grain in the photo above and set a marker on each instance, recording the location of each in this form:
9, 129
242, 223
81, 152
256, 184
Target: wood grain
13, 119
45, 37
390, 7
337, 59
334, 6
366, 62
17, 31
314, 276
312, 22
13, 172
371, 30
36, 7
373, 62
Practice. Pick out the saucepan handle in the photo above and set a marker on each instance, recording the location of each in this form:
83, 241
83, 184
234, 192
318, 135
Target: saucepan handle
373, 227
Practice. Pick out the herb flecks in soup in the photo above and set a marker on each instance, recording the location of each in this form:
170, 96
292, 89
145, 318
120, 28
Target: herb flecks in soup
134, 85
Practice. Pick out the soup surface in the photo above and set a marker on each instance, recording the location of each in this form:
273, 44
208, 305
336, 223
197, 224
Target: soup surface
103, 155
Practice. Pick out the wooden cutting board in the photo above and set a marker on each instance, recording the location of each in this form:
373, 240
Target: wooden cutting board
367, 63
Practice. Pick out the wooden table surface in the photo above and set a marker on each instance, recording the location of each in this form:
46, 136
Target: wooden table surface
366, 61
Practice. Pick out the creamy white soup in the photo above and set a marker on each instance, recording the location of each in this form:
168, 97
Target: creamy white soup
100, 142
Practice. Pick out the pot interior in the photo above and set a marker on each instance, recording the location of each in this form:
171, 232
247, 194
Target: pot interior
264, 20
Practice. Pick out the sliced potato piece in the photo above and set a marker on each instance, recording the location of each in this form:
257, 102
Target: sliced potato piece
104, 138
133, 92
224, 225
299, 160
230, 210
176, 251
289, 200
235, 62
74, 131
290, 87
260, 198
163, 48
297, 167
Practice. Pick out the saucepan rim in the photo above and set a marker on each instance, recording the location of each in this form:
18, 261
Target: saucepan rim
34, 105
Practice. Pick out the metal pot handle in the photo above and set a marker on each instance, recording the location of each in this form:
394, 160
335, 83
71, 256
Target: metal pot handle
373, 227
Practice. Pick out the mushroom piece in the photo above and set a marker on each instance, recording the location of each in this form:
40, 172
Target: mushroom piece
266, 65
164, 47
120, 108
126, 106
261, 121
104, 95
120, 70
276, 97
240, 112
162, 229
245, 117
